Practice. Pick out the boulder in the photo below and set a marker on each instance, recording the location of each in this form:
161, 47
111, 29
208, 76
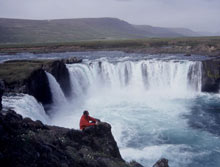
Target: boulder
161, 163
72, 60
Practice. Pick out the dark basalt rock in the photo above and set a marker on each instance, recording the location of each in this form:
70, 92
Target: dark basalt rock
161, 163
72, 60
2, 88
19, 81
210, 76
28, 143
37, 85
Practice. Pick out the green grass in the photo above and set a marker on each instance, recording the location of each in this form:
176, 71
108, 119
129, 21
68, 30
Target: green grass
121, 43
18, 71
132, 44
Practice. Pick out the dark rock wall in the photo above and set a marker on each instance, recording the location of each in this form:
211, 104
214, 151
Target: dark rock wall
37, 85
2, 88
28, 143
210, 76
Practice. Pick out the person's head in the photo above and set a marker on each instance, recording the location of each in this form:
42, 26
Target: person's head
86, 113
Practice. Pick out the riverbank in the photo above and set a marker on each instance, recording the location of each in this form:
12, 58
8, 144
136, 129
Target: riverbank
209, 46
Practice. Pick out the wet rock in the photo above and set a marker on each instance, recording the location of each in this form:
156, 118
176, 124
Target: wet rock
161, 163
211, 75
2, 88
28, 143
72, 60
38, 86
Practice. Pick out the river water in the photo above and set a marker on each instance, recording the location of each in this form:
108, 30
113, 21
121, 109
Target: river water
154, 104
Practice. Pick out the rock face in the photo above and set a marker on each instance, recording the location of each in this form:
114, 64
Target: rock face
28, 143
34, 80
2, 88
72, 60
210, 76
60, 72
17, 73
37, 85
161, 163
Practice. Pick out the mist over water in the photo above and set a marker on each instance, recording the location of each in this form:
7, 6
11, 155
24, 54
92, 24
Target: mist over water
155, 107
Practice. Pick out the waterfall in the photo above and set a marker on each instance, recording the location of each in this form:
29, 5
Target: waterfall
166, 77
57, 93
26, 105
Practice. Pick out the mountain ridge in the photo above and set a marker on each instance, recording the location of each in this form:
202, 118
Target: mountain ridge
67, 30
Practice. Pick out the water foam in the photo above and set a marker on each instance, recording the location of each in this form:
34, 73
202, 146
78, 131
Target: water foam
57, 93
27, 106
164, 78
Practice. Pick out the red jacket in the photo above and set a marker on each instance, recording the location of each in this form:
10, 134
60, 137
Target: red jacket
84, 122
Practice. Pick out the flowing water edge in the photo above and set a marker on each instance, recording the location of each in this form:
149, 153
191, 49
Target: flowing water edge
153, 102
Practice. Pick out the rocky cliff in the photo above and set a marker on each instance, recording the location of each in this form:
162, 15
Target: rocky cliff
37, 85
211, 75
24, 142
28, 76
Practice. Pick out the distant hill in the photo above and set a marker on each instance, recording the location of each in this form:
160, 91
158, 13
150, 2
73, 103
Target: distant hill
67, 30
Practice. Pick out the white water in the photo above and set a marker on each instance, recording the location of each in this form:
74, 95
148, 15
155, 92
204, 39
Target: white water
26, 105
163, 77
144, 101
58, 96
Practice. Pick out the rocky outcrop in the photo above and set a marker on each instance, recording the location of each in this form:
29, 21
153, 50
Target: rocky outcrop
28, 76
72, 60
37, 85
2, 88
161, 163
211, 75
24, 142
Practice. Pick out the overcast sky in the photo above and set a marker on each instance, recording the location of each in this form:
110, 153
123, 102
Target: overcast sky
199, 15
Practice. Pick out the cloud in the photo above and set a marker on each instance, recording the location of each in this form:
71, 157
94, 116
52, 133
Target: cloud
200, 15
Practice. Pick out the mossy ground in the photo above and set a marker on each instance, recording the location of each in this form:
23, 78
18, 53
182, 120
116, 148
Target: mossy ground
15, 71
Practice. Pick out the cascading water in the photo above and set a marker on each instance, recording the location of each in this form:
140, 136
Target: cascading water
28, 106
155, 107
170, 77
57, 93
147, 103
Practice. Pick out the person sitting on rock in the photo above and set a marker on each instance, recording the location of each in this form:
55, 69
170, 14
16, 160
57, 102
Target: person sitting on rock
87, 121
